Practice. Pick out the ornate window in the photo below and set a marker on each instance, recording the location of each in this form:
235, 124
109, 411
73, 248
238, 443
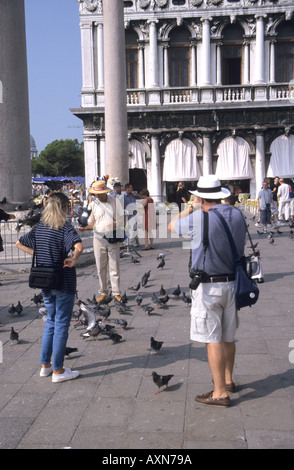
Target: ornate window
179, 58
232, 55
285, 53
132, 59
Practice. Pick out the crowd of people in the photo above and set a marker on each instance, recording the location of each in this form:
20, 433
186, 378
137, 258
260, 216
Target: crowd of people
113, 216
275, 203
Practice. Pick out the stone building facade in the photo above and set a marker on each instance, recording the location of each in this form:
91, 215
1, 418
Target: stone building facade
210, 89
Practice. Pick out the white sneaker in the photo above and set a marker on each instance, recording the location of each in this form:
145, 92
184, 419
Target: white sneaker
46, 371
68, 374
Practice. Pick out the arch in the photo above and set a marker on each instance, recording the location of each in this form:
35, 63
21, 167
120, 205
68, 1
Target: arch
281, 161
233, 159
180, 161
137, 154
232, 45
132, 58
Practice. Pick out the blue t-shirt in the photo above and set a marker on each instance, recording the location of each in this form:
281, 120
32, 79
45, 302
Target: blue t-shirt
52, 247
219, 258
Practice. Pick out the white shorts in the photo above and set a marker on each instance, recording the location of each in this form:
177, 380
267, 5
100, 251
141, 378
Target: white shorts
214, 317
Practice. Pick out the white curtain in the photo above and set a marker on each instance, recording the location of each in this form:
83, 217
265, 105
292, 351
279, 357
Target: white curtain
180, 162
233, 162
137, 155
282, 159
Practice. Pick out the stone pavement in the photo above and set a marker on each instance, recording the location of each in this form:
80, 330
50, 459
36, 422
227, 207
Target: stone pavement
113, 405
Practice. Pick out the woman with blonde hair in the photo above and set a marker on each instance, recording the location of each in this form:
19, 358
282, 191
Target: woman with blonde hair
51, 241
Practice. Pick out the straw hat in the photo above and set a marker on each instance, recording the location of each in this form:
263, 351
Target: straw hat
209, 187
99, 187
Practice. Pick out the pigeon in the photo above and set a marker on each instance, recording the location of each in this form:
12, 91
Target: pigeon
104, 312
271, 241
177, 291
164, 299
88, 313
37, 299
145, 278
162, 291
116, 338
136, 288
187, 299
3, 200
43, 312
279, 232
155, 345
156, 302
11, 310
134, 260
124, 298
160, 256
138, 299
94, 331
120, 321
69, 350
161, 380
147, 309
18, 308
14, 337
161, 264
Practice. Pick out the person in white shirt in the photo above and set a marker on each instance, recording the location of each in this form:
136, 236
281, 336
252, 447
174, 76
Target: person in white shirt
107, 216
284, 201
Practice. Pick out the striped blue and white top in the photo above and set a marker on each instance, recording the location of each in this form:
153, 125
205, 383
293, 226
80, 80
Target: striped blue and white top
52, 247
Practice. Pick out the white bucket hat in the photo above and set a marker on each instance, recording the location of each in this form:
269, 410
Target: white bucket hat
209, 187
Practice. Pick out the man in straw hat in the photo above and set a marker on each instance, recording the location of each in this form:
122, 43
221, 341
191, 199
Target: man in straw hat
213, 313
106, 217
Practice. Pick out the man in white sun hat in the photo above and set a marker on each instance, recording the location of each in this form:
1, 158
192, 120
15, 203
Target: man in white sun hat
214, 317
106, 217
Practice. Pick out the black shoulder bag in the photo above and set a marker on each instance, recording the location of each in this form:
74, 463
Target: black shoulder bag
45, 277
246, 290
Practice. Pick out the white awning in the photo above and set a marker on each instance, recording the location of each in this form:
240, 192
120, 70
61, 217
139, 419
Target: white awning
282, 159
180, 162
137, 155
233, 162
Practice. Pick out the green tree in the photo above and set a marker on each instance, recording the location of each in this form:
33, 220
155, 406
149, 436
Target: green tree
60, 158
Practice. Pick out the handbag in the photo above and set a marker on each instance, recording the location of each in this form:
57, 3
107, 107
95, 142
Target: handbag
45, 277
246, 290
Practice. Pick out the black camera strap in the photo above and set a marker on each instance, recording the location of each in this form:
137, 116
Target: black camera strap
205, 236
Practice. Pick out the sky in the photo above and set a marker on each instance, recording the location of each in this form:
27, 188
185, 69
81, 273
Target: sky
54, 69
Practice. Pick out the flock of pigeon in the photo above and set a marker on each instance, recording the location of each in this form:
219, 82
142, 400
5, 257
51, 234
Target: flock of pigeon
95, 318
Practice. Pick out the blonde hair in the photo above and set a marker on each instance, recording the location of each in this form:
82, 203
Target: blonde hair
54, 214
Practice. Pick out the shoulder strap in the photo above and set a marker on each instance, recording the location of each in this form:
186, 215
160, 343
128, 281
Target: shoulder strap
205, 231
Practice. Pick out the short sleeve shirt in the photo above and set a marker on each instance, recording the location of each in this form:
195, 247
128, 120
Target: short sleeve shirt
219, 258
52, 247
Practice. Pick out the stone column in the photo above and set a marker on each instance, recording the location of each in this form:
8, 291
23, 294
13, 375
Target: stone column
165, 66
193, 64
15, 174
207, 154
91, 159
154, 185
153, 55
88, 86
100, 57
259, 55
259, 160
141, 83
272, 77
246, 73
206, 76
218, 64
116, 134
